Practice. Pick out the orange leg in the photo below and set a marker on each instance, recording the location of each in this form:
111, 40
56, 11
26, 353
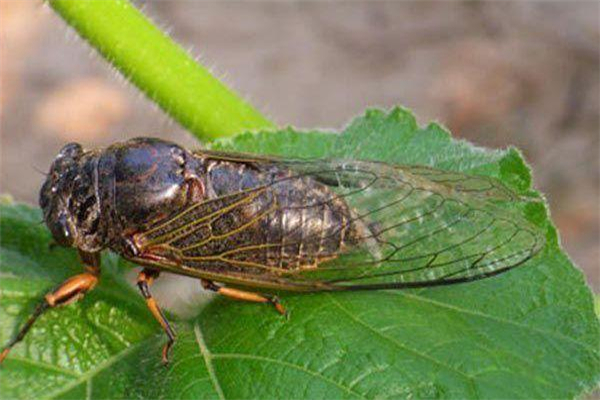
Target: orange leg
244, 295
69, 291
145, 279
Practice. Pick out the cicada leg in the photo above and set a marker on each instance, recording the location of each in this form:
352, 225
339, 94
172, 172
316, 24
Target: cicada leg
145, 280
69, 291
244, 295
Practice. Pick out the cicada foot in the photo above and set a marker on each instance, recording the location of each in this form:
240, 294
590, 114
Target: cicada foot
274, 300
243, 295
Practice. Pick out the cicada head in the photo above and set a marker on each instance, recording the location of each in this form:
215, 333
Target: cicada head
68, 199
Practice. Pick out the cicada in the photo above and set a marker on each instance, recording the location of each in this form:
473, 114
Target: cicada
247, 225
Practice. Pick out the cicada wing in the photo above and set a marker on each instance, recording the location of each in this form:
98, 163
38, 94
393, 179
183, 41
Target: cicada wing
340, 173
425, 227
410, 226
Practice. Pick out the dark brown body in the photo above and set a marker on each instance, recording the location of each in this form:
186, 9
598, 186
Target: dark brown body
137, 185
270, 222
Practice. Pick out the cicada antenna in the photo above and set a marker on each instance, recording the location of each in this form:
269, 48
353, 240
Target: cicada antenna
36, 169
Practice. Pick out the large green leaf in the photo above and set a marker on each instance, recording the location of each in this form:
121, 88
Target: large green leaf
529, 333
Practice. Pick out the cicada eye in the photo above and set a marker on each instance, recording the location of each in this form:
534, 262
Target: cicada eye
70, 150
61, 231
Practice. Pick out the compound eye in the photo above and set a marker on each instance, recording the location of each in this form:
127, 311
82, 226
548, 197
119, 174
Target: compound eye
60, 229
71, 150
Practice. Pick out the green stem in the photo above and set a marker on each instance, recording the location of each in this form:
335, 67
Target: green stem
160, 68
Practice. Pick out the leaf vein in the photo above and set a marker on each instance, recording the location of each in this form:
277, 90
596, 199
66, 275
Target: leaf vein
95, 371
206, 354
43, 365
494, 318
290, 365
402, 346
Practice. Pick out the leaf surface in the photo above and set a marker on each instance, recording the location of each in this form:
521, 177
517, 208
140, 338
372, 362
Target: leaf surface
528, 333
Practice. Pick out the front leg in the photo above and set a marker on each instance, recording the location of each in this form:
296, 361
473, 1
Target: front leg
145, 279
70, 291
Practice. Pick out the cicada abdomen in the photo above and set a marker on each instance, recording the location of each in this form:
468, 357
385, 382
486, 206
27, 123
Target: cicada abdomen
257, 221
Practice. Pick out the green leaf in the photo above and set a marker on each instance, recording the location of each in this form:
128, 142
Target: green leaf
528, 333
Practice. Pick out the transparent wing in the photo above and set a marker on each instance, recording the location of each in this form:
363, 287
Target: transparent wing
422, 226
413, 226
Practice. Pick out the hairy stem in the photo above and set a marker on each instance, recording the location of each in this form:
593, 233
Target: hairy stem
160, 68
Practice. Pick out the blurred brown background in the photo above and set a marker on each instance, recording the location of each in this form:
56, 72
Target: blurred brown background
496, 73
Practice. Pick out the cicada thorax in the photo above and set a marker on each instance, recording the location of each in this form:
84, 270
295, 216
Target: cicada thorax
256, 219
142, 182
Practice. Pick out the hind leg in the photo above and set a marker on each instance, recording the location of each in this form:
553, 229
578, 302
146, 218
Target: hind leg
244, 295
